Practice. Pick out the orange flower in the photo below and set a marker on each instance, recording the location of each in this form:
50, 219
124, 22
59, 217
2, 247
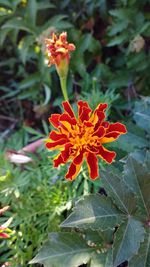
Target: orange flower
58, 50
83, 137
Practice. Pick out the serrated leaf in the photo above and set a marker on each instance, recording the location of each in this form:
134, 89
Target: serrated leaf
127, 240
142, 114
142, 259
119, 39
102, 259
62, 250
137, 178
129, 142
99, 238
93, 211
118, 191
117, 27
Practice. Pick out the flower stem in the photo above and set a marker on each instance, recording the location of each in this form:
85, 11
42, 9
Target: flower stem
63, 83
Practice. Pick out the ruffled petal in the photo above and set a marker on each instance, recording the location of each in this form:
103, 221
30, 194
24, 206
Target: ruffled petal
54, 120
82, 104
110, 137
105, 124
106, 155
56, 135
78, 159
113, 131
85, 115
58, 160
63, 156
117, 127
92, 163
66, 117
101, 107
100, 132
67, 107
66, 152
101, 117
56, 144
73, 171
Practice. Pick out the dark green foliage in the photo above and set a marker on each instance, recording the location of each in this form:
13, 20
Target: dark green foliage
126, 209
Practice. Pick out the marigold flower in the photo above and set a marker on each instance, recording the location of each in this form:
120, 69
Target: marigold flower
83, 137
58, 50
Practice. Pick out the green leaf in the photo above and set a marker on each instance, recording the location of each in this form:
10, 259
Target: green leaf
3, 34
59, 22
5, 3
34, 132
17, 23
142, 114
119, 39
64, 250
129, 142
31, 12
85, 43
30, 81
142, 259
24, 45
137, 178
102, 260
47, 94
117, 27
118, 191
95, 212
45, 6
127, 240
121, 13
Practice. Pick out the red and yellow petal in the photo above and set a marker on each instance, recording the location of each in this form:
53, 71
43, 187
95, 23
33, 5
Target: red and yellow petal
92, 163
57, 144
56, 136
117, 127
100, 118
63, 156
78, 159
67, 107
66, 152
85, 115
110, 137
82, 104
73, 171
54, 120
100, 132
106, 155
101, 107
66, 117
58, 160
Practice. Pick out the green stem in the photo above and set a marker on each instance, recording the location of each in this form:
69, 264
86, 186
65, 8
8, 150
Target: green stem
63, 83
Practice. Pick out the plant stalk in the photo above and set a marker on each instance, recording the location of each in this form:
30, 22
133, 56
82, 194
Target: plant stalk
63, 83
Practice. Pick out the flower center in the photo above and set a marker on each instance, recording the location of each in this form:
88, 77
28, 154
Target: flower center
81, 136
